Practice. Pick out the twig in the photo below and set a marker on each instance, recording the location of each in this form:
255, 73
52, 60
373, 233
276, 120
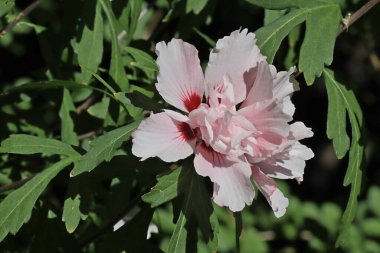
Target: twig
22, 14
354, 17
89, 134
86, 104
14, 185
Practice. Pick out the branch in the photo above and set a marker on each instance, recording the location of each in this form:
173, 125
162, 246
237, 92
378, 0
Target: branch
14, 185
22, 14
354, 17
86, 104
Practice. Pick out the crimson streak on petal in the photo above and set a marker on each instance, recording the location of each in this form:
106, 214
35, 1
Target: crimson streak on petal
186, 132
192, 101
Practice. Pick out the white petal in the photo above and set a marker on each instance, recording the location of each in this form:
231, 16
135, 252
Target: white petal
268, 188
180, 78
236, 56
262, 88
231, 177
163, 136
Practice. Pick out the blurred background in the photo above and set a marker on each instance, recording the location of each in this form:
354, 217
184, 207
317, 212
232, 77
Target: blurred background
40, 47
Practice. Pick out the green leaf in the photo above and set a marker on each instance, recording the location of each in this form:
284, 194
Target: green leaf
316, 50
56, 84
103, 148
270, 36
272, 15
16, 208
371, 227
73, 208
318, 46
178, 240
142, 60
167, 188
117, 71
6, 6
353, 175
90, 47
195, 6
100, 109
373, 200
68, 134
130, 18
278, 4
195, 196
336, 122
27, 144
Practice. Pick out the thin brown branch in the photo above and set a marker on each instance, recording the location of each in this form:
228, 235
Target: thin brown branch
86, 104
14, 185
17, 19
89, 134
357, 14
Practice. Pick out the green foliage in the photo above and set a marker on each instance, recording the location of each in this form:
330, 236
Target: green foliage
68, 134
103, 148
27, 144
77, 78
316, 50
17, 207
116, 71
167, 188
90, 46
340, 94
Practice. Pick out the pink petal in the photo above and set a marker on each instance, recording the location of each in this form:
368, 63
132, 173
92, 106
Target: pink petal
180, 78
299, 131
268, 188
287, 164
262, 88
236, 56
282, 85
164, 136
268, 118
231, 177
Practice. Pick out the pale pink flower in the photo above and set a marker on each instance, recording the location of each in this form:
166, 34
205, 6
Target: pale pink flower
239, 132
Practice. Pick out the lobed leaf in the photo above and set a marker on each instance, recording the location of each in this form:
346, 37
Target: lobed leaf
28, 144
195, 196
195, 6
278, 4
117, 71
269, 37
103, 148
353, 175
16, 208
167, 188
318, 45
90, 46
68, 134
317, 48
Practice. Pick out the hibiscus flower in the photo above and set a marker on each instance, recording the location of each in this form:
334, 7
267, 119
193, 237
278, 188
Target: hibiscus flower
235, 118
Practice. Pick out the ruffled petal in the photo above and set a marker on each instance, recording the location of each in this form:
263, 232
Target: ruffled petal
180, 78
270, 119
231, 177
236, 56
268, 188
164, 135
287, 164
262, 88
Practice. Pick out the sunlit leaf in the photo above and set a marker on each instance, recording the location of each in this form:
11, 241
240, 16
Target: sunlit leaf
353, 175
28, 144
16, 208
90, 47
103, 148
117, 71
